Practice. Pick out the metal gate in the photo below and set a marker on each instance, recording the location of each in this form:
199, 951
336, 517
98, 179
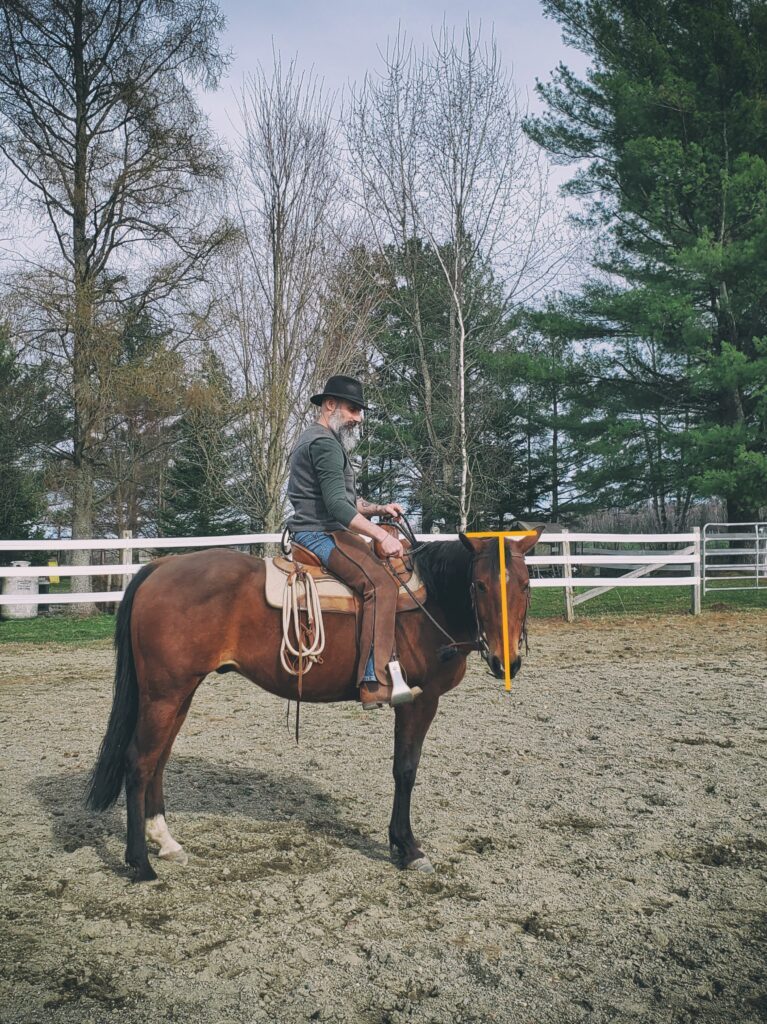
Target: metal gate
734, 556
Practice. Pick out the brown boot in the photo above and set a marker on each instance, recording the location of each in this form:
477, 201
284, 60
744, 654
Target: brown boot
352, 561
374, 694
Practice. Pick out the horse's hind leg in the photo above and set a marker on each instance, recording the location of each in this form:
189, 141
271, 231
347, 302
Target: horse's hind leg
155, 724
412, 724
156, 828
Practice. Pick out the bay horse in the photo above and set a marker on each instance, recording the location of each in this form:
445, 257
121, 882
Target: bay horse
184, 616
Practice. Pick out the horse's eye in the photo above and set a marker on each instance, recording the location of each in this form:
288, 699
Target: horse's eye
481, 587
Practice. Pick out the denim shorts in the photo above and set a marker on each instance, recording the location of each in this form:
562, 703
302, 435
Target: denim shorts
321, 544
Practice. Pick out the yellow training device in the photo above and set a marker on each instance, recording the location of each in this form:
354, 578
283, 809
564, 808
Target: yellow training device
500, 534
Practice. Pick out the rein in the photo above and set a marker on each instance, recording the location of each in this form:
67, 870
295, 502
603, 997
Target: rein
451, 649
448, 651
454, 647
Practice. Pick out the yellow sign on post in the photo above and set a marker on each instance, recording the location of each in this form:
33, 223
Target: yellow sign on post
501, 534
53, 564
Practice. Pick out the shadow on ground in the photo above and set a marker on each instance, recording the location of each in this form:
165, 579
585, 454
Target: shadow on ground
199, 786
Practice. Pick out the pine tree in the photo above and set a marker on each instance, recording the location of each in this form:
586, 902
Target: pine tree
29, 421
671, 124
414, 381
195, 501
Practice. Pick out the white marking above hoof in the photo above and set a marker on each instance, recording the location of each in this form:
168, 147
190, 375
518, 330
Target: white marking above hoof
157, 831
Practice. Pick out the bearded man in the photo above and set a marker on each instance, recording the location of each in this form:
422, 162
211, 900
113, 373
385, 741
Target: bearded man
330, 520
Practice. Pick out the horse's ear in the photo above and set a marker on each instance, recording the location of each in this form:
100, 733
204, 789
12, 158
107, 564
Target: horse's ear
524, 544
472, 543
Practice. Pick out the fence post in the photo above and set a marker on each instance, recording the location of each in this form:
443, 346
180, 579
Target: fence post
567, 571
697, 568
126, 558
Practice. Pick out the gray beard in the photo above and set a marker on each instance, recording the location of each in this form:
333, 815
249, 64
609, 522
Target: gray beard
349, 433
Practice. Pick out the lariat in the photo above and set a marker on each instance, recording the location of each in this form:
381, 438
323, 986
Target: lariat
302, 641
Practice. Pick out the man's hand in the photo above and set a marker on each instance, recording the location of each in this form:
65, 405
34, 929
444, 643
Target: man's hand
391, 547
394, 510
368, 509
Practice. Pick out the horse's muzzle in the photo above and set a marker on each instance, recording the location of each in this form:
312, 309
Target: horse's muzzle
496, 666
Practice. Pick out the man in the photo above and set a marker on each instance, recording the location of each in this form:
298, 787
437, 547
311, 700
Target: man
330, 520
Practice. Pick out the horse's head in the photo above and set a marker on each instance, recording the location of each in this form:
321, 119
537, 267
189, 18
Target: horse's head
487, 597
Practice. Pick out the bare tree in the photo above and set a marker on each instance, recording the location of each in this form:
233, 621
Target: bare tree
280, 312
439, 154
99, 122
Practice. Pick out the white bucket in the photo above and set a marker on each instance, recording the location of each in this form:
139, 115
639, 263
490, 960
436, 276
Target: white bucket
19, 585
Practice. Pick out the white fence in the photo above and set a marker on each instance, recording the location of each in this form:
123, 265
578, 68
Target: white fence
567, 561
734, 556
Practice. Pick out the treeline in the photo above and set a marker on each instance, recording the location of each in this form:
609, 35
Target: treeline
169, 303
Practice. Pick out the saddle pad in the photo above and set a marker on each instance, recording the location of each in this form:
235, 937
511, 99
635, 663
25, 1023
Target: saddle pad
334, 595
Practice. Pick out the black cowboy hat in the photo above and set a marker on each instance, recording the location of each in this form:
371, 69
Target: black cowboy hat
348, 388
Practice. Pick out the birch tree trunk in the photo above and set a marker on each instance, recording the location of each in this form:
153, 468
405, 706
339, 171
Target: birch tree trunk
438, 154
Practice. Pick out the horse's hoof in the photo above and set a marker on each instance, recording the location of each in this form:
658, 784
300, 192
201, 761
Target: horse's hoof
179, 856
422, 864
143, 873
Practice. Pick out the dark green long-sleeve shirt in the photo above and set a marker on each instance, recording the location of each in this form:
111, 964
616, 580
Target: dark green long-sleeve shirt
321, 486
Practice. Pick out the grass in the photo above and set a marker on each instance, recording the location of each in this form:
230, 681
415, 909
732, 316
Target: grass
57, 629
65, 629
550, 603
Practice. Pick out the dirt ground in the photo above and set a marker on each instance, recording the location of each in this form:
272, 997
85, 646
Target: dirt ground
598, 839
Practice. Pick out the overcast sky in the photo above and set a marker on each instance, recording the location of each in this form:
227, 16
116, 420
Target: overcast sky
341, 39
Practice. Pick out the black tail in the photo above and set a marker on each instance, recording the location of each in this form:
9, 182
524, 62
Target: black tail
108, 773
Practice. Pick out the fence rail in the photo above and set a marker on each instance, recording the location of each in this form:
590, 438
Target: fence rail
749, 571
565, 561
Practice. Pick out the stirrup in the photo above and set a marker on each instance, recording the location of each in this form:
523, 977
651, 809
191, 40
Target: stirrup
401, 693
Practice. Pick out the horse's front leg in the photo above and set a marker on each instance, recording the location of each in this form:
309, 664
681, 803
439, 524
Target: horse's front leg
412, 724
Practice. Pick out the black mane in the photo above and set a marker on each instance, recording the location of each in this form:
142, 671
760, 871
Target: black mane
445, 568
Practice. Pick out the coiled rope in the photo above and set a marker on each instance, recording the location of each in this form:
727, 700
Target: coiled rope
302, 642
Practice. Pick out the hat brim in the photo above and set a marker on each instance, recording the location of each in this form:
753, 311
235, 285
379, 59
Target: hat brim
318, 399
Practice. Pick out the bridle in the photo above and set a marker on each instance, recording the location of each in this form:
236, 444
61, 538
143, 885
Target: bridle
481, 641
454, 647
484, 649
